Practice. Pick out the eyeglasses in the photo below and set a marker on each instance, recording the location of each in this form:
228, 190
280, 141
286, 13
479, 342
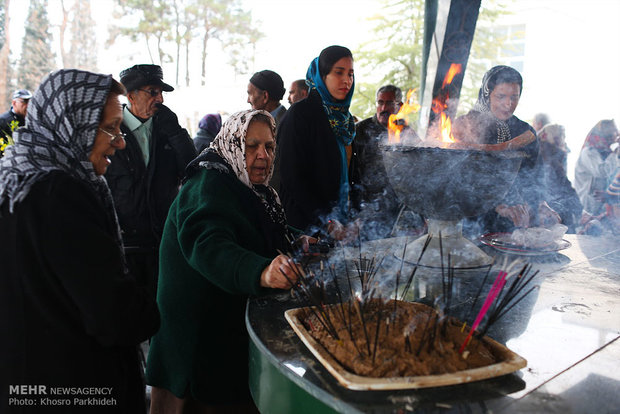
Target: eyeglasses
114, 138
389, 104
152, 92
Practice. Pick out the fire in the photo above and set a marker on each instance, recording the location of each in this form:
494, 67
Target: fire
440, 104
398, 121
446, 129
454, 70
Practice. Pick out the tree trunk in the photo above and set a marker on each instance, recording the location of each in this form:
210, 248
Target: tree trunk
4, 58
63, 27
177, 40
203, 74
187, 62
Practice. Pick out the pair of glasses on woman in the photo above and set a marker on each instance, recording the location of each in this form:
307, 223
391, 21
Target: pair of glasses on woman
113, 137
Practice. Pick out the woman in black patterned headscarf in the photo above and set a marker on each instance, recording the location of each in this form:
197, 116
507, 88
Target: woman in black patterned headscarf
71, 315
221, 243
492, 121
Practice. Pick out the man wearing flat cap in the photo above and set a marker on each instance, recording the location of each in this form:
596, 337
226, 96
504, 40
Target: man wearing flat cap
17, 113
265, 91
145, 177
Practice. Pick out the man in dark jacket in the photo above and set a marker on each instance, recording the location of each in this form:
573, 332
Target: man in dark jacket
146, 175
19, 107
371, 192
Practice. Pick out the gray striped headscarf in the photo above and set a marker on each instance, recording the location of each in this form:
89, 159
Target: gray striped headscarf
61, 126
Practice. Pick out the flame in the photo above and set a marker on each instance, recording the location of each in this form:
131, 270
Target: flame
440, 105
398, 121
446, 129
454, 70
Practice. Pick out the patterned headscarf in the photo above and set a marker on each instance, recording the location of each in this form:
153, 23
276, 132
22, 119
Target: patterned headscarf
601, 137
495, 76
61, 125
230, 145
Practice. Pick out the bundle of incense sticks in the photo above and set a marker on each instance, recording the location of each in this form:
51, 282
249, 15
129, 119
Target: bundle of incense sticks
311, 287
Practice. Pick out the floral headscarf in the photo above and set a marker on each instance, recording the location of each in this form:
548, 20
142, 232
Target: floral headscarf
229, 144
495, 76
341, 123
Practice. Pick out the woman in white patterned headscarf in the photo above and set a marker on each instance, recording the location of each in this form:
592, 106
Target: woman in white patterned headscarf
220, 245
71, 314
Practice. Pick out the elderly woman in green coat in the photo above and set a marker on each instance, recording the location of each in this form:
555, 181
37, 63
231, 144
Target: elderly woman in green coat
220, 244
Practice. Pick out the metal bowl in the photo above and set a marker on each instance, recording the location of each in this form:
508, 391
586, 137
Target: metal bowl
450, 184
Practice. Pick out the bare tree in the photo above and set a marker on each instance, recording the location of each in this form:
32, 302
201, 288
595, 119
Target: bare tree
83, 38
153, 24
37, 59
4, 53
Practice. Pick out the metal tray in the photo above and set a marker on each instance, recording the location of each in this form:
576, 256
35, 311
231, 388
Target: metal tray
509, 362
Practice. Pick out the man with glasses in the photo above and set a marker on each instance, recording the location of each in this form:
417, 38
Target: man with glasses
16, 116
371, 193
145, 177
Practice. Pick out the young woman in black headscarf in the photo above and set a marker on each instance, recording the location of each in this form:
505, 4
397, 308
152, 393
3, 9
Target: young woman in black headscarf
315, 144
71, 315
492, 122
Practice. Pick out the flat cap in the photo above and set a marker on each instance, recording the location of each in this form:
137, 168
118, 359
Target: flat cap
138, 76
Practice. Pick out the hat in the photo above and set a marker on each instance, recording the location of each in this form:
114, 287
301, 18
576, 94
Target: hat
141, 75
22, 94
269, 81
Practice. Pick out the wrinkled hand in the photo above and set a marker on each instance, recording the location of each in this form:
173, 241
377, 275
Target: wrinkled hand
345, 234
519, 214
272, 276
547, 216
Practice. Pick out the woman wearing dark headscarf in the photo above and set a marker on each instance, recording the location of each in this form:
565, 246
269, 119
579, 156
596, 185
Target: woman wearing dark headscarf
492, 122
596, 165
208, 127
314, 140
71, 315
220, 244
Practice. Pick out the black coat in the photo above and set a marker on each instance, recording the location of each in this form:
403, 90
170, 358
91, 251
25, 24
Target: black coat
69, 317
372, 197
309, 163
6, 119
143, 194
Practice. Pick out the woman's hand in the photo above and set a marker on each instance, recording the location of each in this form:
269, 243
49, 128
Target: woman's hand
304, 242
518, 214
272, 276
547, 216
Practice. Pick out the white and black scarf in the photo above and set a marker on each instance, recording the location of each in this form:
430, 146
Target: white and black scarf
229, 144
61, 126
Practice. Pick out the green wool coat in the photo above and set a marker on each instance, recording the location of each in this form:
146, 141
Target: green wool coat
211, 257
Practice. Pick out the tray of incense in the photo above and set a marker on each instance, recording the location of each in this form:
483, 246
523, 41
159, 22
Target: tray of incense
391, 345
